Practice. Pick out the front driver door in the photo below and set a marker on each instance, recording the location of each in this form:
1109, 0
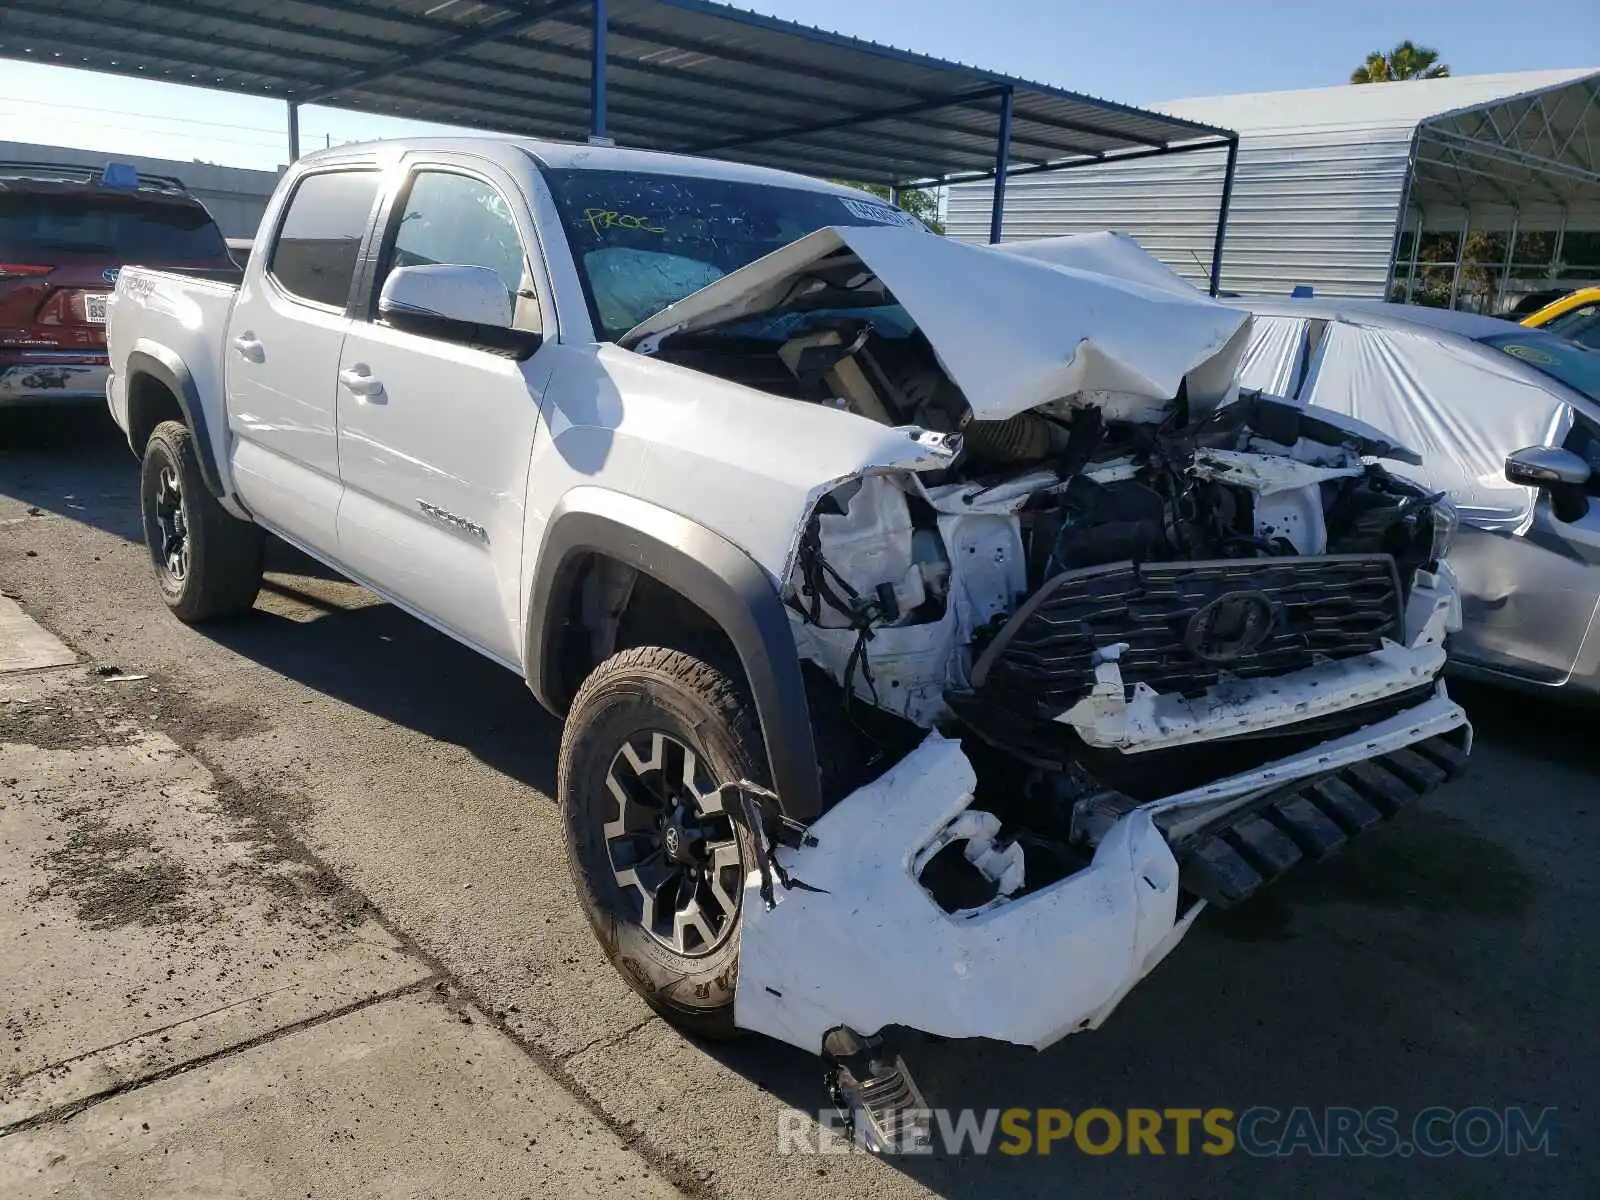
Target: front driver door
435, 437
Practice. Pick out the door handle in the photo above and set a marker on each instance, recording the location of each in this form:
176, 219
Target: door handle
249, 349
362, 383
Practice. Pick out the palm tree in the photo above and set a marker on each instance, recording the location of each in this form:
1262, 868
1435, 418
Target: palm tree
1406, 61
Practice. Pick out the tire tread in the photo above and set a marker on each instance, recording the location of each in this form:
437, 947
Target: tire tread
226, 554
714, 689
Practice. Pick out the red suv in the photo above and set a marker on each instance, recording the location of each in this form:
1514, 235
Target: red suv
65, 231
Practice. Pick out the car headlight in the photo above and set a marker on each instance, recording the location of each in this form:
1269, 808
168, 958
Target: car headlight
1445, 522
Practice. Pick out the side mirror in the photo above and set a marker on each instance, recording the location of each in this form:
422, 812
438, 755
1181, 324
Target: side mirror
1560, 472
454, 303
1546, 466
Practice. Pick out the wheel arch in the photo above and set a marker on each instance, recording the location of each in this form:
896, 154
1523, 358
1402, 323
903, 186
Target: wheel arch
709, 572
158, 381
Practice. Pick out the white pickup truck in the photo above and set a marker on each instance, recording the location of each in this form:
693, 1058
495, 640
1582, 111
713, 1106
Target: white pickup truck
937, 629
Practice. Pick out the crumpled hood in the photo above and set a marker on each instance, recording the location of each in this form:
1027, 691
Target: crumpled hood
1105, 253
1012, 330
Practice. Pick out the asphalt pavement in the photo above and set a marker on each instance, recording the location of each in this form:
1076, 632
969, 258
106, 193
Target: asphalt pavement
1445, 961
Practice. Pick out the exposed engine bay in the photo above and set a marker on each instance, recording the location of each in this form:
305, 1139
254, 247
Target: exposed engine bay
1112, 643
1077, 588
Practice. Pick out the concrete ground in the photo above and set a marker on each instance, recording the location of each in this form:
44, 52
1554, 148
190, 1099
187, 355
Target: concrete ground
1446, 960
192, 1005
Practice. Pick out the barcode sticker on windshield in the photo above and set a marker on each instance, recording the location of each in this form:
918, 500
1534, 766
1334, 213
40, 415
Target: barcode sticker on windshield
882, 214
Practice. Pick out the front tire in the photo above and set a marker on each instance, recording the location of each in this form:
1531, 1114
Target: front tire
659, 866
207, 562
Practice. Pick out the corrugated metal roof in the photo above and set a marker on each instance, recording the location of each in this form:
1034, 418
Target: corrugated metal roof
1327, 176
1407, 103
682, 75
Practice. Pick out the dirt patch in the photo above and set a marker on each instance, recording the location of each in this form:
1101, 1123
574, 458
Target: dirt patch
170, 708
116, 874
116, 877
62, 723
148, 896
268, 816
96, 710
106, 861
305, 894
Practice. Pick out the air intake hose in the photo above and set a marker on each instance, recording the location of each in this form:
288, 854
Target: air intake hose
1022, 438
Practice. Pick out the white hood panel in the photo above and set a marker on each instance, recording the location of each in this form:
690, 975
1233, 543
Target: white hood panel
1012, 330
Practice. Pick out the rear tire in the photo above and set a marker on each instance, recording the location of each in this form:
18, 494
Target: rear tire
665, 729
207, 562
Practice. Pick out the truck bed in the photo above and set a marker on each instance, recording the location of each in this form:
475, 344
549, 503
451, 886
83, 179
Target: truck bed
184, 314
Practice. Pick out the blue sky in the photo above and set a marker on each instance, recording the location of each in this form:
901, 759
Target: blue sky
1135, 51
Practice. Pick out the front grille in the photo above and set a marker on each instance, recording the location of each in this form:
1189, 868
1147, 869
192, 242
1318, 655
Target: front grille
1335, 606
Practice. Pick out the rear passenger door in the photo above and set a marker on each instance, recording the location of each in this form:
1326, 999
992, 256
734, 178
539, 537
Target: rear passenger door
435, 436
282, 353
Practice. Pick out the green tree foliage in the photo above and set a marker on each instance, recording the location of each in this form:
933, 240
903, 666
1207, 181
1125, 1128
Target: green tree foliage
1406, 61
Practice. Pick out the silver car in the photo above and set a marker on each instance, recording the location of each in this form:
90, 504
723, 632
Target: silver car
1506, 419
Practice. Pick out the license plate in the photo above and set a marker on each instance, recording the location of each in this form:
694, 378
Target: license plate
94, 307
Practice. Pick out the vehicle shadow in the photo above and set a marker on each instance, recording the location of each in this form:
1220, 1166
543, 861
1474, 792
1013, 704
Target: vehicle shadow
59, 460
379, 659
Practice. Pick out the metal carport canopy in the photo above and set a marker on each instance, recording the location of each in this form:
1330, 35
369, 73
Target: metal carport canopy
679, 75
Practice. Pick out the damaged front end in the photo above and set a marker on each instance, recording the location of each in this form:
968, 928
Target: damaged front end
1115, 741
1131, 644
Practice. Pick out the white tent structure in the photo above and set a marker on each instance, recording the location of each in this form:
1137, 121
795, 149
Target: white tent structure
1334, 185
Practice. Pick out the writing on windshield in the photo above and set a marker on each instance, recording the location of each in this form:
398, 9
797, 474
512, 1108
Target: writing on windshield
1567, 362
643, 240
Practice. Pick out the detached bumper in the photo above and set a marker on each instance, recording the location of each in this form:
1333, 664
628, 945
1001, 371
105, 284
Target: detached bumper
872, 948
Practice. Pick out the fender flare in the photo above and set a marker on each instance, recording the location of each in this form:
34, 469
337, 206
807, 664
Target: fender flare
705, 568
162, 364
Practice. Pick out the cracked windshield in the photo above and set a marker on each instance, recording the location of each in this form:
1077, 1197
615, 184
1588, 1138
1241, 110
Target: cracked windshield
644, 240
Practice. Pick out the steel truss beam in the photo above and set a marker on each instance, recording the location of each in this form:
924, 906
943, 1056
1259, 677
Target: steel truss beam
515, 20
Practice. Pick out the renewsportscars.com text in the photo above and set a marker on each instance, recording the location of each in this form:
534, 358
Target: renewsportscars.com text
1262, 1132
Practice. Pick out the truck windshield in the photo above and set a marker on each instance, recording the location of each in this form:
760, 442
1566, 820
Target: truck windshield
1576, 366
643, 240
122, 229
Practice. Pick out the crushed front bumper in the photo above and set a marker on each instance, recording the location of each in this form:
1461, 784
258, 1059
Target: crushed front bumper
870, 947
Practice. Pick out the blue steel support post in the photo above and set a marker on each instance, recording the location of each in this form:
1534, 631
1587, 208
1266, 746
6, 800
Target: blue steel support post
294, 130
1002, 160
1222, 216
894, 194
597, 74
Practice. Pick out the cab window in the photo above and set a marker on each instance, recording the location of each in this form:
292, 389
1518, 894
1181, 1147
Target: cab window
319, 241
462, 221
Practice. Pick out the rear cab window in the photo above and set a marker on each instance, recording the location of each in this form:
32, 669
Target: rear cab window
315, 254
73, 225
